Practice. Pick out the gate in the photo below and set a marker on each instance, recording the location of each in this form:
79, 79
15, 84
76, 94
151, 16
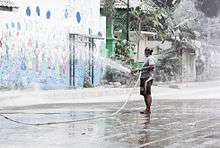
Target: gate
81, 60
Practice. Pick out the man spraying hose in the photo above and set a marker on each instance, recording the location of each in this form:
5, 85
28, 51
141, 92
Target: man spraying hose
146, 79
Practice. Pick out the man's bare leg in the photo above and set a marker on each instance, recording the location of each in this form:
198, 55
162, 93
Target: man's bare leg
146, 103
149, 102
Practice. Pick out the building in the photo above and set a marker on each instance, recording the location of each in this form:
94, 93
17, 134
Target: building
145, 38
51, 44
121, 8
188, 64
210, 47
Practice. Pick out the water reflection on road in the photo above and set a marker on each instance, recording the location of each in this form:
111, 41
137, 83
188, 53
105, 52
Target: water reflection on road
172, 124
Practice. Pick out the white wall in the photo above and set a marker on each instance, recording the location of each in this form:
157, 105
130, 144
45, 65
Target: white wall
188, 66
35, 48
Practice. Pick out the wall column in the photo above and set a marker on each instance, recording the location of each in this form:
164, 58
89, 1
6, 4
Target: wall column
110, 40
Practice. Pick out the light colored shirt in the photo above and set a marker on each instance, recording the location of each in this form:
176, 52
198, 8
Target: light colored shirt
148, 73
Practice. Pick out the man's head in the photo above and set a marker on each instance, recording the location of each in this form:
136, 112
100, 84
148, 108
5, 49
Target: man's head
148, 52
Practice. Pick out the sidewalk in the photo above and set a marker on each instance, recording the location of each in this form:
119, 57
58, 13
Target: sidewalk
193, 90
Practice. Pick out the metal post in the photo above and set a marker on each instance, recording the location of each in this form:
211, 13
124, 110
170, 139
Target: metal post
70, 60
93, 62
128, 20
73, 59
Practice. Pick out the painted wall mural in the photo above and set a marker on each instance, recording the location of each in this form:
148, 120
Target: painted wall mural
30, 60
34, 45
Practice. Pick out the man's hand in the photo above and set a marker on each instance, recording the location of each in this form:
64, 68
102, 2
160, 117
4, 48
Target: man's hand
134, 70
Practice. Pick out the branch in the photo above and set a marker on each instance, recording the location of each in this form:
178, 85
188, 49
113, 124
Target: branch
185, 21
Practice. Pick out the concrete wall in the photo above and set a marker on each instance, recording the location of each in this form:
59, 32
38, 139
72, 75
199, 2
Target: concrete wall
143, 42
188, 67
34, 47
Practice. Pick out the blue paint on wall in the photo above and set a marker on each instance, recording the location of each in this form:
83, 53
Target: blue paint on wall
48, 14
78, 17
12, 24
28, 11
66, 14
97, 73
79, 75
6, 25
38, 10
99, 34
90, 31
15, 71
21, 64
18, 26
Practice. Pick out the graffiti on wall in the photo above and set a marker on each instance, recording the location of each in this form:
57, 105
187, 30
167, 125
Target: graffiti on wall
26, 59
34, 50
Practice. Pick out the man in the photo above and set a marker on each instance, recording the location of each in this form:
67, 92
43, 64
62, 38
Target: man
146, 79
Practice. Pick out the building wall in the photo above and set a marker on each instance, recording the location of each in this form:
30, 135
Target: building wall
34, 41
145, 42
188, 67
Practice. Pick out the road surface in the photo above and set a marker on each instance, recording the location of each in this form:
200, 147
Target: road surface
173, 123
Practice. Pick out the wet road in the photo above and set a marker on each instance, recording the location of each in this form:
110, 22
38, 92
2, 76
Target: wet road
173, 123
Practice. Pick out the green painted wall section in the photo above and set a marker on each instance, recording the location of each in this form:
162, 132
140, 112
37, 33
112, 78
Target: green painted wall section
110, 40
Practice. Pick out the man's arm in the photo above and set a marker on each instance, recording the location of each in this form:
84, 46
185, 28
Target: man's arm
150, 67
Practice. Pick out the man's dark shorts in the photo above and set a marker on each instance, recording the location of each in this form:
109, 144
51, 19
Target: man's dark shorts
145, 89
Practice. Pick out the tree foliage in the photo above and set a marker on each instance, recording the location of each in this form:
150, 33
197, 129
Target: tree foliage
159, 16
125, 51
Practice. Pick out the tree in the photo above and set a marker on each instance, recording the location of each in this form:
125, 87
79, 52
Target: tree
166, 19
